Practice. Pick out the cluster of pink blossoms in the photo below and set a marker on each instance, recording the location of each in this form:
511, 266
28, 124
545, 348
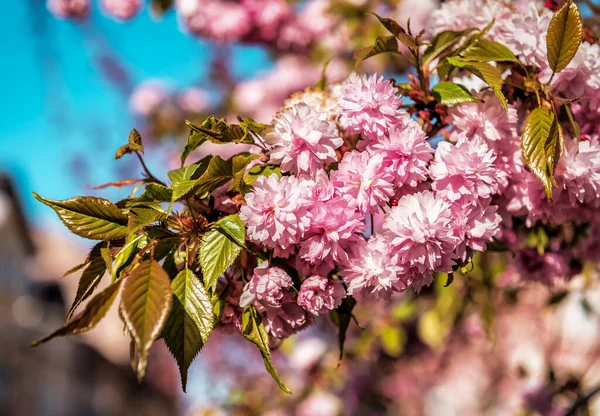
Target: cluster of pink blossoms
364, 205
79, 9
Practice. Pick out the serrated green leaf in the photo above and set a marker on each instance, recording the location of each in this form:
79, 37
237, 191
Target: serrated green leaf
219, 302
197, 136
89, 280
145, 303
565, 34
126, 254
488, 73
190, 322
87, 319
485, 50
450, 93
140, 217
89, 217
254, 330
536, 141
181, 180
382, 45
154, 194
442, 44
554, 147
219, 248
398, 31
239, 164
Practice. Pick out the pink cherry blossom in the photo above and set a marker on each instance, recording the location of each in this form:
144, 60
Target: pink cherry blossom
285, 320
464, 171
374, 270
406, 152
334, 226
420, 231
147, 96
275, 213
369, 106
580, 171
302, 142
267, 286
318, 294
363, 180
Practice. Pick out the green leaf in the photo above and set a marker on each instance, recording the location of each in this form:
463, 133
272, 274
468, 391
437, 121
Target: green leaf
126, 254
88, 282
239, 164
485, 50
219, 302
134, 145
382, 45
145, 303
93, 313
398, 31
565, 34
140, 217
190, 322
487, 73
221, 132
254, 330
442, 43
89, 217
341, 317
181, 180
261, 170
450, 93
541, 143
153, 194
219, 248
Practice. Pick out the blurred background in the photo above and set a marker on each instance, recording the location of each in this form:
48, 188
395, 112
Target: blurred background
78, 75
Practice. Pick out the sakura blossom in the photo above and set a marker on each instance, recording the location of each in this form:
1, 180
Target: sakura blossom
301, 142
66, 9
319, 295
266, 286
369, 105
122, 9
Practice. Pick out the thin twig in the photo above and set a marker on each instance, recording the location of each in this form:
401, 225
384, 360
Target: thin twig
151, 177
582, 401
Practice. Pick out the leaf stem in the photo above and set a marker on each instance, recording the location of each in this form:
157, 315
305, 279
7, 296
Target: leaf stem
151, 177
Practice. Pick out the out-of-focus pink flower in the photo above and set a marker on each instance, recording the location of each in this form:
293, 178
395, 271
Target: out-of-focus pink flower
373, 270
267, 286
147, 97
406, 152
369, 105
464, 171
268, 16
275, 213
302, 142
420, 231
319, 295
333, 228
320, 404
194, 100
363, 181
122, 9
223, 21
69, 9
546, 268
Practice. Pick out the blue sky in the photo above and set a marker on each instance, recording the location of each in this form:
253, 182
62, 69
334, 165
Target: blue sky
57, 106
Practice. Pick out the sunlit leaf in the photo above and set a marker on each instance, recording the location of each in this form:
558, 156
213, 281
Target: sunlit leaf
537, 140
93, 313
220, 247
88, 282
181, 180
565, 34
190, 322
341, 317
442, 44
89, 217
485, 50
254, 330
145, 303
450, 93
487, 73
134, 145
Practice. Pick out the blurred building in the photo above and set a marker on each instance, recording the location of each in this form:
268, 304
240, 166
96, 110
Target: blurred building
65, 376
